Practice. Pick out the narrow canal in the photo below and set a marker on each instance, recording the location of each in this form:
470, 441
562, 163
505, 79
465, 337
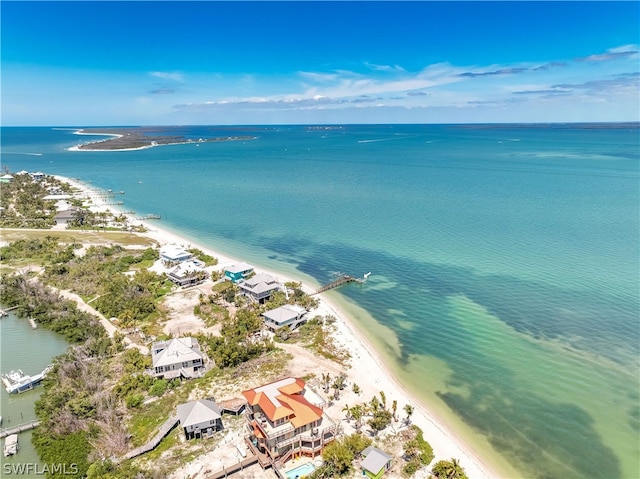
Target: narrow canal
30, 350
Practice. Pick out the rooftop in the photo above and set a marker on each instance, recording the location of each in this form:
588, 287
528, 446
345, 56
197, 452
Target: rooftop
197, 412
174, 351
284, 398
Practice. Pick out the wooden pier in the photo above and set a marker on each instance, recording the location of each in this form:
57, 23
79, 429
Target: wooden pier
5, 312
27, 426
343, 279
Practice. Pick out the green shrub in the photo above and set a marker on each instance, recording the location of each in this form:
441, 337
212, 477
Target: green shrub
134, 400
159, 387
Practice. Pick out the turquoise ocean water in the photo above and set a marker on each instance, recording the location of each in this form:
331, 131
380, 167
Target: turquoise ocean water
505, 260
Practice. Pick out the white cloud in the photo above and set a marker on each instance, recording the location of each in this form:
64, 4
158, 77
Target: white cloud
174, 76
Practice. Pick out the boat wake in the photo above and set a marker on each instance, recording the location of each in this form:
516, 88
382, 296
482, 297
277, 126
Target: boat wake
21, 153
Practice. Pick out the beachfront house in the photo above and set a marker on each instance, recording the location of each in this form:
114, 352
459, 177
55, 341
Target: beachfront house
375, 463
6, 178
179, 357
199, 418
238, 272
285, 418
171, 254
290, 315
188, 273
65, 217
259, 287
37, 176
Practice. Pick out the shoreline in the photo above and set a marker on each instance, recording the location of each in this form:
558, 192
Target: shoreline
366, 362
135, 137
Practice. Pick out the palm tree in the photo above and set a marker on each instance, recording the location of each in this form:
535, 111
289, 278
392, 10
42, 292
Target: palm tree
409, 410
326, 380
347, 412
383, 397
454, 469
357, 412
394, 408
375, 404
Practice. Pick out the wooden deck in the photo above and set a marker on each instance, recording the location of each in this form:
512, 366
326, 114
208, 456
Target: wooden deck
239, 466
166, 427
27, 426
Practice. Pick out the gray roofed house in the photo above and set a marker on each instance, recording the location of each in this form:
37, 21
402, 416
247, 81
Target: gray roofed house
64, 217
187, 273
259, 287
376, 462
180, 357
290, 315
199, 417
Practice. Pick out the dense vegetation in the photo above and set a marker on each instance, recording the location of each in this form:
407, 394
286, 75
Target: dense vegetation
23, 204
417, 451
339, 456
34, 300
238, 341
448, 470
94, 407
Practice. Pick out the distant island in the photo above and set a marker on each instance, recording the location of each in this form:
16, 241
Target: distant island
141, 137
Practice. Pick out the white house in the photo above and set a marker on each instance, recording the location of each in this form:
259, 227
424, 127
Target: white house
290, 315
172, 254
200, 417
180, 357
187, 273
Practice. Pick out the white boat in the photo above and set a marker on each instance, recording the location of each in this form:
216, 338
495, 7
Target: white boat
16, 381
11, 445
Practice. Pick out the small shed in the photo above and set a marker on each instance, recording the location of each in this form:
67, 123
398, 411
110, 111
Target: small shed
375, 463
199, 418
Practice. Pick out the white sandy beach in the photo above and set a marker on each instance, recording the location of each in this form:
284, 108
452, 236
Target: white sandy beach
366, 366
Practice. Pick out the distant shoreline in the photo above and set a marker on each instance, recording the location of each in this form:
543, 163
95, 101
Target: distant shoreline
131, 139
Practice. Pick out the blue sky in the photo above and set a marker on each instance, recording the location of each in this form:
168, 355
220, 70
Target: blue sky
152, 63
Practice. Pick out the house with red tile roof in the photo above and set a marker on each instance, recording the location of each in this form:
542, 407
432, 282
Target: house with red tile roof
286, 418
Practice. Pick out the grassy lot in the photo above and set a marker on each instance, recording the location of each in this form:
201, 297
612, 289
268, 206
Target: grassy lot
98, 237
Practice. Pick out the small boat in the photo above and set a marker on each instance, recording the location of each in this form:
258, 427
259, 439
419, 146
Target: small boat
17, 382
11, 445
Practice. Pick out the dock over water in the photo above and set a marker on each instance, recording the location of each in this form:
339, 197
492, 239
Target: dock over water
343, 279
27, 426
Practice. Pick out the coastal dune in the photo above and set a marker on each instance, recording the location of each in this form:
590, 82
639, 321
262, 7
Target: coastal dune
365, 365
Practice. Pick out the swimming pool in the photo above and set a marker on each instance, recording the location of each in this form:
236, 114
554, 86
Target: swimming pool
302, 470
